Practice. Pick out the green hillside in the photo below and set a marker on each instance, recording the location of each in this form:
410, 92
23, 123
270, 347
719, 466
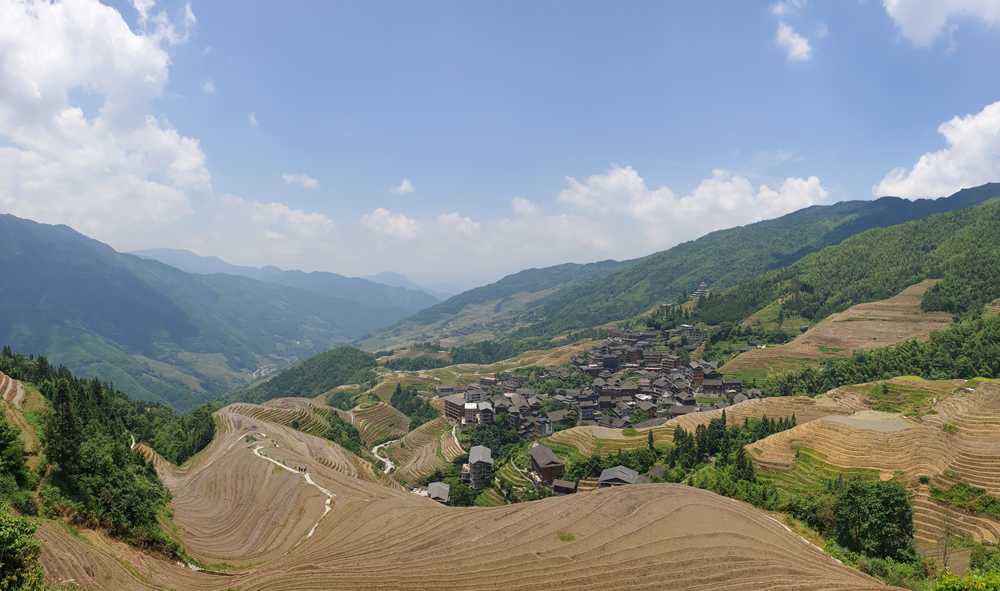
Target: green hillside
314, 376
962, 248
154, 331
491, 309
730, 257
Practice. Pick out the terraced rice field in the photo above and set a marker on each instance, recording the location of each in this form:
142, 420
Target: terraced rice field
427, 448
378, 421
865, 326
238, 507
903, 449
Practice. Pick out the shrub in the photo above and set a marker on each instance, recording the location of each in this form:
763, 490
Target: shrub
924, 479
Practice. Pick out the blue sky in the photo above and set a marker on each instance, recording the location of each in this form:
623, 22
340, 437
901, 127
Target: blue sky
458, 142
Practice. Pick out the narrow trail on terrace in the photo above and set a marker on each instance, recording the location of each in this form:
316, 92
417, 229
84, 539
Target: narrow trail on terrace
389, 466
305, 475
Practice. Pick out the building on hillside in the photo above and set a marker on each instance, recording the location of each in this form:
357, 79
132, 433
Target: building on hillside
734, 385
649, 408
438, 491
485, 413
478, 473
454, 408
563, 487
471, 411
546, 465
712, 387
701, 292
617, 476
445, 390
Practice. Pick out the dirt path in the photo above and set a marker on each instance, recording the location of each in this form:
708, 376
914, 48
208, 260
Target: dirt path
305, 475
454, 434
389, 466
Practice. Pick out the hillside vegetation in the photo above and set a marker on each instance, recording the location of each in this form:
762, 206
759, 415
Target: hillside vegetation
732, 257
491, 308
156, 332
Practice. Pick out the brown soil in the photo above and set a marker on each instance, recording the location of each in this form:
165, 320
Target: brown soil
865, 326
237, 507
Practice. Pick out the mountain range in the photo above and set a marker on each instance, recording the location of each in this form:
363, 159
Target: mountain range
160, 333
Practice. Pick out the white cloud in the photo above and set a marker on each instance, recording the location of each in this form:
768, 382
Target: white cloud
395, 225
405, 187
524, 207
117, 167
723, 201
457, 223
253, 121
923, 21
786, 8
301, 179
796, 46
241, 225
971, 159
209, 87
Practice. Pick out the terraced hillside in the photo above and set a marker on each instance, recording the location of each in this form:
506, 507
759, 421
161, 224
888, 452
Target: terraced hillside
890, 445
334, 527
586, 439
378, 421
864, 326
427, 448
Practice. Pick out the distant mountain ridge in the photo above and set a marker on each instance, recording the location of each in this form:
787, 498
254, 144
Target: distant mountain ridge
727, 258
400, 280
356, 289
153, 330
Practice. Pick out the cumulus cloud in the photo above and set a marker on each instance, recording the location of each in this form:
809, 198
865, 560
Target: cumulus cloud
285, 231
524, 207
786, 8
395, 225
121, 165
405, 187
301, 179
971, 158
253, 121
457, 223
209, 87
796, 46
923, 21
723, 201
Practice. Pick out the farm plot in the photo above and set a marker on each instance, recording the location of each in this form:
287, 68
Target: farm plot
422, 451
378, 421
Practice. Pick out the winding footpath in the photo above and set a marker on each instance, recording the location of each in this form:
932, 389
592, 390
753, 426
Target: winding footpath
389, 466
308, 478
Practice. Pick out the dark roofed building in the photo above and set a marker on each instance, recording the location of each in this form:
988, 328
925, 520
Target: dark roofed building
454, 408
478, 473
563, 487
617, 476
545, 464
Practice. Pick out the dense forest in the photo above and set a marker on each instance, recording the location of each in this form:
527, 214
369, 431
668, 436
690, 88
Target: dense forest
90, 471
409, 402
313, 377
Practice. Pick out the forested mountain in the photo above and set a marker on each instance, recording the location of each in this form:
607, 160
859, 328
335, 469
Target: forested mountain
156, 332
730, 257
369, 293
314, 376
962, 248
491, 306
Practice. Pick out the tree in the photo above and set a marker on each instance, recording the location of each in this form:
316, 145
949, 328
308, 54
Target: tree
571, 418
62, 435
650, 442
19, 565
744, 466
876, 519
460, 495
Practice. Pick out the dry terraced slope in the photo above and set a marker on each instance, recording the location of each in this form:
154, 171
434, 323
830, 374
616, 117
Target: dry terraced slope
238, 507
427, 448
380, 420
865, 326
893, 446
